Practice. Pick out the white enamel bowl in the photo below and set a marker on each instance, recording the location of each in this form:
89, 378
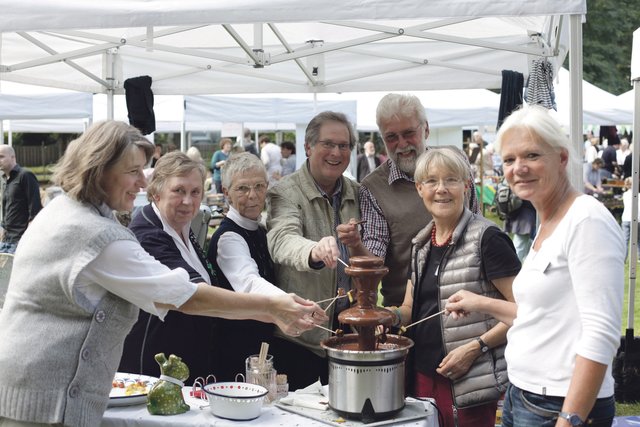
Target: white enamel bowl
236, 401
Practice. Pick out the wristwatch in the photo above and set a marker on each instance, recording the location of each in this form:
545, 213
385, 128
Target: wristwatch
483, 345
573, 418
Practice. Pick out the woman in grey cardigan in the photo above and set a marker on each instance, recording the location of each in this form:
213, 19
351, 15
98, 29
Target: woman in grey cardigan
78, 279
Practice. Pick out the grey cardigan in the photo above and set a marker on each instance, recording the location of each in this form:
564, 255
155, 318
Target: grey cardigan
57, 359
461, 268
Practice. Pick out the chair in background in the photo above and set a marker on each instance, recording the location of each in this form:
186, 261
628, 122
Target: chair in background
200, 225
6, 264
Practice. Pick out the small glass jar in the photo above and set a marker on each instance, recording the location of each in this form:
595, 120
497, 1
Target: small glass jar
282, 385
262, 374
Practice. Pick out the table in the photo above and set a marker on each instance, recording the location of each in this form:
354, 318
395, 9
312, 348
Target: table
271, 416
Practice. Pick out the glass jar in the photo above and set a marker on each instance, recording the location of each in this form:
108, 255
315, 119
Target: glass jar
262, 374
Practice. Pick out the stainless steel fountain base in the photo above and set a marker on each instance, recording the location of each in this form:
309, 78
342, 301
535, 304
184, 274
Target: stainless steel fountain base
366, 385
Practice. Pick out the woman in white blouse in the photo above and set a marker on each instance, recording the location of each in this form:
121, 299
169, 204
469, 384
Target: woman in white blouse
78, 280
566, 318
240, 257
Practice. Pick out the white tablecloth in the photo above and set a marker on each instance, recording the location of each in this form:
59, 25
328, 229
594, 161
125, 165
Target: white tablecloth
271, 416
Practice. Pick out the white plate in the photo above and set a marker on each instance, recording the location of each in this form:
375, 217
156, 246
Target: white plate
117, 396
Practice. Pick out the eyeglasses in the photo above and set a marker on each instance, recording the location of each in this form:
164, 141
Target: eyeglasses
448, 182
329, 146
244, 190
406, 135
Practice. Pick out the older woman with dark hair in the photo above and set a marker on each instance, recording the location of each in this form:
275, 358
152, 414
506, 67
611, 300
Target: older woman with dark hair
460, 365
78, 279
568, 295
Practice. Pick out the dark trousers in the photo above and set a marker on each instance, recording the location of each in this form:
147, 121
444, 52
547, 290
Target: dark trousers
302, 366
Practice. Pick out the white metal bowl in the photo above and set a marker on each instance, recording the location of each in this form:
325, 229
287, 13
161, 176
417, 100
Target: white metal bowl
236, 401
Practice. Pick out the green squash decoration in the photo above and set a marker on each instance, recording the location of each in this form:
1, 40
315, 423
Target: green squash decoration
165, 397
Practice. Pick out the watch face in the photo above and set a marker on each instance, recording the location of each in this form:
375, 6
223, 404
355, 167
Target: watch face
575, 420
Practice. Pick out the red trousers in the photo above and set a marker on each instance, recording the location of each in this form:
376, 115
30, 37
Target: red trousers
439, 388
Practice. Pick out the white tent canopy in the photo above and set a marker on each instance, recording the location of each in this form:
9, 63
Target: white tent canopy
288, 46
222, 47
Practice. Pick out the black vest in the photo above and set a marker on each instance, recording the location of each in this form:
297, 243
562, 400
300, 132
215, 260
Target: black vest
235, 340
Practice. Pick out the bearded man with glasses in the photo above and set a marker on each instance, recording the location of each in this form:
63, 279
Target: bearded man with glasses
389, 203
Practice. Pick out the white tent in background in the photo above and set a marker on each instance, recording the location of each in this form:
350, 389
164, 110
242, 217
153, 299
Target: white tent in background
25, 108
599, 106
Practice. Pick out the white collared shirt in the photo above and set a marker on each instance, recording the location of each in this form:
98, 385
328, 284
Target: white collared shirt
235, 261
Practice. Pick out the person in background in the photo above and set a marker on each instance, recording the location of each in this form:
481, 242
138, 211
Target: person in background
157, 153
20, 200
622, 152
288, 152
367, 161
271, 157
627, 201
248, 143
627, 166
592, 177
194, 154
461, 365
303, 211
521, 225
590, 149
217, 161
568, 294
389, 192
610, 157
78, 279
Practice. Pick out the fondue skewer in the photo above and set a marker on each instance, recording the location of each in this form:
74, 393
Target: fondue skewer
403, 329
338, 332
342, 262
348, 294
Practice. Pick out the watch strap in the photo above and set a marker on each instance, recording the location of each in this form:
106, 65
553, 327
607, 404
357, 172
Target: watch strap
573, 418
483, 345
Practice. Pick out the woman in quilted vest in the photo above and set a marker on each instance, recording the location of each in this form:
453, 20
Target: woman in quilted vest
460, 365
568, 295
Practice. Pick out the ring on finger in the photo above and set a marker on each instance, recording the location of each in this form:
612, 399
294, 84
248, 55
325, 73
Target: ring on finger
449, 373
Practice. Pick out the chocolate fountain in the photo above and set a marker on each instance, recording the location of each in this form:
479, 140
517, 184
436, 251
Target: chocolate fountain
366, 371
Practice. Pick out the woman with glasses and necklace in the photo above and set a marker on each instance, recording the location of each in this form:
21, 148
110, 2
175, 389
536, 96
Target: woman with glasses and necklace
240, 256
460, 365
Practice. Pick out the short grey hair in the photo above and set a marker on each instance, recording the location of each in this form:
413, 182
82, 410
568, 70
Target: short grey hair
395, 105
312, 133
536, 121
448, 158
240, 163
175, 163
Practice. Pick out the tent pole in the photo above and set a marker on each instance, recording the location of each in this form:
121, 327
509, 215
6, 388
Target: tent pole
575, 98
183, 128
110, 80
633, 252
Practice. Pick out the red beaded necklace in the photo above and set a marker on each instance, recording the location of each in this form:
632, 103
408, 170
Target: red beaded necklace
433, 238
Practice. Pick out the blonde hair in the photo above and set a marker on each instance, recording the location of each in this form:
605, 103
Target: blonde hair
448, 158
80, 170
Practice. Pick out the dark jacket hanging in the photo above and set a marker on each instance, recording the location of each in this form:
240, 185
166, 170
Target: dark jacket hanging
511, 94
140, 103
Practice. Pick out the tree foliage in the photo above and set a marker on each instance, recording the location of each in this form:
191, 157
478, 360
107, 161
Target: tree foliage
607, 40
